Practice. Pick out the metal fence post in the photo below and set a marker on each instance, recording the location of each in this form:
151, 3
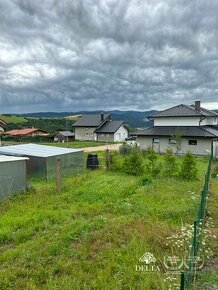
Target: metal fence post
58, 174
182, 283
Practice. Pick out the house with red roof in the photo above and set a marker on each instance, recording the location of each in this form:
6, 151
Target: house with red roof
26, 132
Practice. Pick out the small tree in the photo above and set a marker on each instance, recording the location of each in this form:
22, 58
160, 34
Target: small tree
188, 168
170, 166
133, 163
152, 166
178, 138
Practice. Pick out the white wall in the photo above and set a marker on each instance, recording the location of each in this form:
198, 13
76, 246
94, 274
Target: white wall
202, 148
209, 121
120, 134
177, 121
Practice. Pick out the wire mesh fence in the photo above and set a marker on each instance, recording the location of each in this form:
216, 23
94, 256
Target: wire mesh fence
189, 276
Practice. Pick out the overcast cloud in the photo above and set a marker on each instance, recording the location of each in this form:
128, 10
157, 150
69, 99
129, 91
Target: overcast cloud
68, 55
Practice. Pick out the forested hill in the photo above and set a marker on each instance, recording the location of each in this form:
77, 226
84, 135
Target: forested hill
134, 119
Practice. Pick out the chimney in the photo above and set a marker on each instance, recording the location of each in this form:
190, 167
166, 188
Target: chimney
102, 116
197, 105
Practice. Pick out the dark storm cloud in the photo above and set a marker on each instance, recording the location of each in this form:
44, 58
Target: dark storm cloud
108, 54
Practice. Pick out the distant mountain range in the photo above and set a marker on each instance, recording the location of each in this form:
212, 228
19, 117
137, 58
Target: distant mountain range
134, 119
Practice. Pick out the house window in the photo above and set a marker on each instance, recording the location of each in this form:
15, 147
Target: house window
108, 135
156, 140
172, 141
192, 142
102, 135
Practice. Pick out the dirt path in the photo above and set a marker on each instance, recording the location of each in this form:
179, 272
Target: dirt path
102, 148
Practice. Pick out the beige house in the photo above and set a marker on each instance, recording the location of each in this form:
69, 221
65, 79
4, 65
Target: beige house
196, 126
100, 128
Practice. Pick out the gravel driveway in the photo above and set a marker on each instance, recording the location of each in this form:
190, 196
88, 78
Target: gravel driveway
102, 148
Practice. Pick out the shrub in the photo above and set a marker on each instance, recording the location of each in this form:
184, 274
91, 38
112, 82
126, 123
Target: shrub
153, 168
146, 180
188, 169
133, 163
170, 166
116, 161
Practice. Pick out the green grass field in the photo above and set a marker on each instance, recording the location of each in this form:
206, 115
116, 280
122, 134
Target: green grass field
92, 234
13, 119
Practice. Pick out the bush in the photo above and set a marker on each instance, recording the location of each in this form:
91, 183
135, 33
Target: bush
153, 168
146, 180
170, 166
188, 169
116, 161
133, 163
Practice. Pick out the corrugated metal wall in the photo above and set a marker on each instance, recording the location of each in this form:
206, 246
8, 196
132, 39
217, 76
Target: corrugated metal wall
36, 167
71, 163
12, 177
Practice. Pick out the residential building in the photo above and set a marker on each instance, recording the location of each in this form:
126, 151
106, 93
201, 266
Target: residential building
196, 127
26, 132
64, 136
112, 131
100, 128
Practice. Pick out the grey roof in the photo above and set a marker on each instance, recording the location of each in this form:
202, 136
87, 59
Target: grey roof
109, 127
183, 110
35, 150
65, 133
185, 131
90, 120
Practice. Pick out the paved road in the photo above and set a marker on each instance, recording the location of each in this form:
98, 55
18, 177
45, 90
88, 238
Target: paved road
102, 148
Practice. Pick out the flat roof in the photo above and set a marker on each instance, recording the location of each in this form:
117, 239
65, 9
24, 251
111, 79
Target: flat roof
36, 150
4, 158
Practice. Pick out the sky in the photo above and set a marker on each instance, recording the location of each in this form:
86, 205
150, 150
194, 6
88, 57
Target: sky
69, 55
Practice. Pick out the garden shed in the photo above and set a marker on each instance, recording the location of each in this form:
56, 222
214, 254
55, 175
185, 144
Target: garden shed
42, 159
12, 175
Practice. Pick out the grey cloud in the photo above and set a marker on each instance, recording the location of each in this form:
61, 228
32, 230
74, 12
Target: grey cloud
107, 54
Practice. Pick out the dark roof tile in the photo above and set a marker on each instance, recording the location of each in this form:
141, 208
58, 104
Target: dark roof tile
90, 120
185, 131
109, 127
183, 111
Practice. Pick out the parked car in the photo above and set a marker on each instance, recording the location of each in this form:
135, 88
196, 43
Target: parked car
130, 138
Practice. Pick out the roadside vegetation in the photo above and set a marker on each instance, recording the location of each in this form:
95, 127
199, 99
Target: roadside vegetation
92, 234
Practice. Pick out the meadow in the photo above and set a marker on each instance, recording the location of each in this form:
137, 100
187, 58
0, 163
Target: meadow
92, 234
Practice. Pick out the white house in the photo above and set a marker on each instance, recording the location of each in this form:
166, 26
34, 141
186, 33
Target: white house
112, 131
100, 128
196, 126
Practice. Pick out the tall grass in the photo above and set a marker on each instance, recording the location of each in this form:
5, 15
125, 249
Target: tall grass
92, 234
